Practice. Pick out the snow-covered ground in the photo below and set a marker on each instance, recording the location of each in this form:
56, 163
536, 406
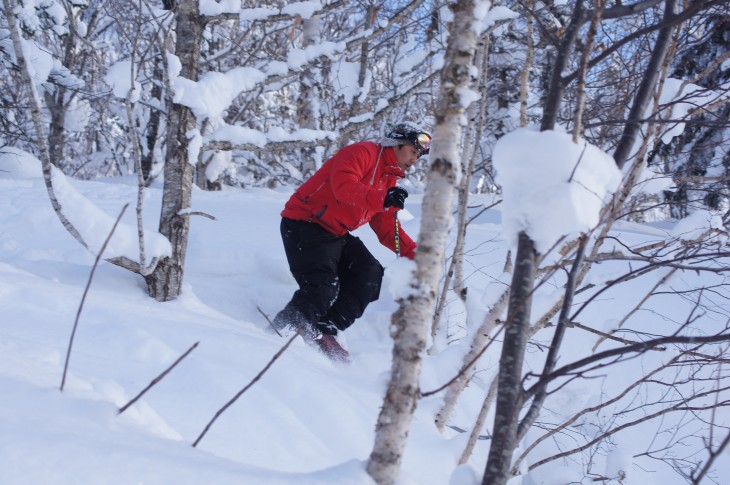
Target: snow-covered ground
305, 421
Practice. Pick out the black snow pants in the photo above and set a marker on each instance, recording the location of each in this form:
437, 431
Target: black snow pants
337, 275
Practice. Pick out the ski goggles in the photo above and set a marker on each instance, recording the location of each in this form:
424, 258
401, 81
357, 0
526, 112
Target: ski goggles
420, 140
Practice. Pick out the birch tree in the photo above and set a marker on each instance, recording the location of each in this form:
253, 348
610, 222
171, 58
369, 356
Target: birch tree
165, 282
36, 115
411, 322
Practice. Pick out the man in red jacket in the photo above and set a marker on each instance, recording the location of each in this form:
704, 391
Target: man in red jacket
337, 275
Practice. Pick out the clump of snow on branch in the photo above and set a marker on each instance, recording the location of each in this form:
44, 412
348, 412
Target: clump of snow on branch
481, 11
93, 224
215, 91
30, 11
194, 146
217, 164
298, 58
304, 9
174, 66
258, 13
494, 15
552, 187
345, 80
39, 62
119, 77
240, 135
467, 96
411, 56
213, 7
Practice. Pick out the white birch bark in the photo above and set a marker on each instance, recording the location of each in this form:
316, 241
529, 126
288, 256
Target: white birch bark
308, 101
35, 109
481, 338
411, 320
479, 422
165, 282
470, 152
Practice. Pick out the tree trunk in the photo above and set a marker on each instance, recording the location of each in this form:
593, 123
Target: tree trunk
36, 115
509, 387
646, 88
510, 396
411, 320
470, 152
308, 101
57, 105
165, 282
154, 123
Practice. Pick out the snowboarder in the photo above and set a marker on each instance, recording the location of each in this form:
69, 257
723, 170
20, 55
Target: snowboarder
337, 275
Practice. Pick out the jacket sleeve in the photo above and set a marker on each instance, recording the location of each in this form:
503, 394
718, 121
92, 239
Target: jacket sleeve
383, 224
349, 166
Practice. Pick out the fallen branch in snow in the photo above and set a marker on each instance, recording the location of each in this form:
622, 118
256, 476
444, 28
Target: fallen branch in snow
269, 320
86, 292
246, 388
158, 378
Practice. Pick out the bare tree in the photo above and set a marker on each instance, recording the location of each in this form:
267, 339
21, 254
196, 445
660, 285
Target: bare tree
508, 425
165, 282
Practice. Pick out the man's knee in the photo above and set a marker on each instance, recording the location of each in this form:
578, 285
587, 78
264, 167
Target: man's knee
372, 280
318, 292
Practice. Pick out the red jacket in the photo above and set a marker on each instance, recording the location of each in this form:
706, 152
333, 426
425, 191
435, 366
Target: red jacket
348, 191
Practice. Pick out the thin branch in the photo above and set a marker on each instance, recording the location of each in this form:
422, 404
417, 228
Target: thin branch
620, 351
269, 320
253, 381
588, 410
86, 292
689, 12
552, 358
713, 456
615, 430
157, 379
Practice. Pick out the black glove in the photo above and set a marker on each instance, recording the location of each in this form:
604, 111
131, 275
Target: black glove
395, 197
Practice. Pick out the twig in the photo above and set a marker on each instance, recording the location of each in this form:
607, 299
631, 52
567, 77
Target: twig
609, 336
158, 378
713, 456
86, 292
255, 379
198, 213
464, 368
619, 352
268, 320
